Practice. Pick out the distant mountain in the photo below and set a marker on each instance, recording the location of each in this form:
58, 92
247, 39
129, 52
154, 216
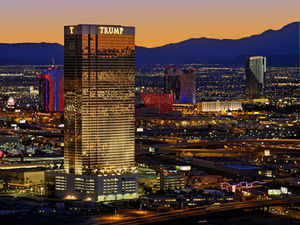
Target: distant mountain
281, 47
31, 53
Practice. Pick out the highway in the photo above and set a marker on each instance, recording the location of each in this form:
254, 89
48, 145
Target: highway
285, 141
179, 142
240, 147
124, 219
225, 151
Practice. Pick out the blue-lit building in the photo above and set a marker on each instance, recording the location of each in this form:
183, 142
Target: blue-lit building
180, 83
188, 86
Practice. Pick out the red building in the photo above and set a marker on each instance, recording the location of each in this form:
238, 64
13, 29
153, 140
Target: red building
51, 90
164, 102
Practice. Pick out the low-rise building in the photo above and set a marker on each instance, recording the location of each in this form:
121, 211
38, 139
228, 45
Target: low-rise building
160, 201
206, 181
25, 177
218, 106
172, 182
90, 187
150, 181
6, 138
185, 200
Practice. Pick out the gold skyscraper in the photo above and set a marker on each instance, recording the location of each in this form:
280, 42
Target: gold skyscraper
99, 161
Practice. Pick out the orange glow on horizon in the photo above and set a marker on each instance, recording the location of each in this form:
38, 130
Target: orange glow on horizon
157, 22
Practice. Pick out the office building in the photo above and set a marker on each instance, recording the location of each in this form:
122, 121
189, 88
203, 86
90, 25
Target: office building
255, 76
51, 90
99, 160
172, 181
188, 86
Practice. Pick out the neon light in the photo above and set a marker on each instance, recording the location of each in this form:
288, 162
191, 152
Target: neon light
61, 94
48, 77
226, 185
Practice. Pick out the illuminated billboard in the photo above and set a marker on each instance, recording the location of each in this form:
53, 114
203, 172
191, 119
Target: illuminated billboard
284, 190
274, 192
183, 168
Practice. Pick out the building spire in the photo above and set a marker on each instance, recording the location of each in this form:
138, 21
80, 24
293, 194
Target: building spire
53, 62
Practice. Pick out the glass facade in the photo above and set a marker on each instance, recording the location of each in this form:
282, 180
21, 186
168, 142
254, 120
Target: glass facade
99, 99
255, 76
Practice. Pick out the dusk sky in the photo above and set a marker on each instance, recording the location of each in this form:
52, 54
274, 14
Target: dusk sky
157, 22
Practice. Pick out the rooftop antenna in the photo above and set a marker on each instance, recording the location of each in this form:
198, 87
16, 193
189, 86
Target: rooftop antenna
53, 62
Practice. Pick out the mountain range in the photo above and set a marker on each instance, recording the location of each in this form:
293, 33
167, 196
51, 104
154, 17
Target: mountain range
281, 47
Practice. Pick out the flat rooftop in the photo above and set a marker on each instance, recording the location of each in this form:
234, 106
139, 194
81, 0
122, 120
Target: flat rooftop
242, 167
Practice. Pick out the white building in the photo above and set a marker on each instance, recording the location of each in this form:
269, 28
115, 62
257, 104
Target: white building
219, 106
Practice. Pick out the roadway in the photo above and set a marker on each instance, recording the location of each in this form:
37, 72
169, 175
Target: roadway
236, 142
241, 146
180, 142
245, 150
128, 219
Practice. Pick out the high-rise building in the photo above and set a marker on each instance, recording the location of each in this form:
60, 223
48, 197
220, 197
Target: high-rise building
99, 160
188, 86
51, 90
172, 81
255, 76
180, 83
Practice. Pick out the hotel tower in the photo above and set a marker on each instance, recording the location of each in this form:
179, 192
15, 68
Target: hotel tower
255, 76
99, 155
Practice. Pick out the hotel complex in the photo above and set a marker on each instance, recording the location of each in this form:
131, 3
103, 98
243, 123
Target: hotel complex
180, 83
99, 155
188, 86
218, 106
172, 81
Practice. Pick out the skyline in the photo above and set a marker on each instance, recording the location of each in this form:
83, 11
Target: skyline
185, 20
